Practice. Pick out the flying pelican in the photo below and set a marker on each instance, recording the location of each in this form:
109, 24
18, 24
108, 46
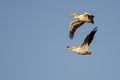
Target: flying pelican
83, 49
80, 20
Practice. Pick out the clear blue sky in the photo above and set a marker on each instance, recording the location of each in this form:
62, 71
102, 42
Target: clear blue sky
34, 35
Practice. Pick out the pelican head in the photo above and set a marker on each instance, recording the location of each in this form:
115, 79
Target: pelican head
71, 47
74, 14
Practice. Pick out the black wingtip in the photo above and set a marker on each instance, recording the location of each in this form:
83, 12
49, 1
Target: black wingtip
71, 36
95, 29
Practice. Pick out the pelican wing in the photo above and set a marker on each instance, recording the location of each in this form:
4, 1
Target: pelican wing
88, 39
73, 26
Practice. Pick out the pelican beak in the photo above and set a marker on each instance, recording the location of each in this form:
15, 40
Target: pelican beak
71, 15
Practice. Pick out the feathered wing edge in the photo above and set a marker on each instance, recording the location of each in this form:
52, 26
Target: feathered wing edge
88, 39
73, 27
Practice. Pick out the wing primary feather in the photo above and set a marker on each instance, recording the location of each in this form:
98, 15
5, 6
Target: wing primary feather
88, 39
73, 27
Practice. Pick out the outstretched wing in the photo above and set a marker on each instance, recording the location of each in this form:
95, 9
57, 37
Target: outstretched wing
73, 26
88, 39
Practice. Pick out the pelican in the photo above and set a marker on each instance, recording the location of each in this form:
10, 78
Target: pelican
83, 49
80, 20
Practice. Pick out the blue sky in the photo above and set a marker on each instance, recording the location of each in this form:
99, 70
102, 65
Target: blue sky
34, 36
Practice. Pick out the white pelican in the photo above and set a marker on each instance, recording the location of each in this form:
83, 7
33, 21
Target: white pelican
80, 20
83, 49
